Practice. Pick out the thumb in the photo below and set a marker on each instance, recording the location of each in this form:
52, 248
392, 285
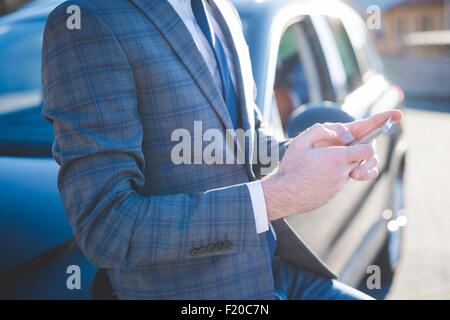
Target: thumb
316, 133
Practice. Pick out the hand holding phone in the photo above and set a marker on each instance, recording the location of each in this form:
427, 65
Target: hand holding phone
373, 133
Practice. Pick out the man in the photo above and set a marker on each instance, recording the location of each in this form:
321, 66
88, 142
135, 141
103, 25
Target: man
117, 89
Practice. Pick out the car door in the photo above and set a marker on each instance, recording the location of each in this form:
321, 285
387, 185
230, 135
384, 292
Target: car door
356, 213
295, 86
353, 213
336, 230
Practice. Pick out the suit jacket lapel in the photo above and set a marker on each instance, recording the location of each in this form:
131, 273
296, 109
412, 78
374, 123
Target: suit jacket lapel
232, 30
165, 18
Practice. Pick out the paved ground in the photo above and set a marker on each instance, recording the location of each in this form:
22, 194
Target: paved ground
424, 271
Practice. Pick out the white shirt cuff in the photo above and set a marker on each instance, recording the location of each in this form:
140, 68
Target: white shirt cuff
259, 206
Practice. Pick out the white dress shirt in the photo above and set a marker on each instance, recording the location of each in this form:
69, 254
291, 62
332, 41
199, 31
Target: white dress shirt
184, 10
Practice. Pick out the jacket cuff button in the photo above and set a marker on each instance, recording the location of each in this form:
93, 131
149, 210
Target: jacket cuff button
227, 245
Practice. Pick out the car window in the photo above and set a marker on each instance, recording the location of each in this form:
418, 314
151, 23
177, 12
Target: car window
347, 54
298, 77
20, 56
291, 87
369, 62
23, 131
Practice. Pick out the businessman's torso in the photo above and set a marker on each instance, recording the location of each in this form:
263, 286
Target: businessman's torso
173, 90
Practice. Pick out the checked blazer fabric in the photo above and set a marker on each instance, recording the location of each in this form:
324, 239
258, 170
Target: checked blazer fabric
115, 90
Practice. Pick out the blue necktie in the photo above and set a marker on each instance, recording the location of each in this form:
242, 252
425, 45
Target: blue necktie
228, 92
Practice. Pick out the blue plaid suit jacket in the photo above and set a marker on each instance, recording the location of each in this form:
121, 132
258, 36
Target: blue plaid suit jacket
115, 90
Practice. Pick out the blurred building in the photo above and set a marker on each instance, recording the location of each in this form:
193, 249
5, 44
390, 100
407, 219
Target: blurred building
414, 43
412, 24
7, 6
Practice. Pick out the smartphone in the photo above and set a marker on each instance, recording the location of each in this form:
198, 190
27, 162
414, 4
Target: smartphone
372, 134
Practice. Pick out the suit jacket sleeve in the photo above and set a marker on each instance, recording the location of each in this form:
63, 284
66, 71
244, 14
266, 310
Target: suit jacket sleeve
272, 143
90, 96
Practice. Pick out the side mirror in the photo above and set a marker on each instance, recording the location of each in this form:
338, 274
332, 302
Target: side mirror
309, 114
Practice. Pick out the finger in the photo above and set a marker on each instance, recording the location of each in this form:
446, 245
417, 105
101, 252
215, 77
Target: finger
344, 136
349, 167
370, 175
362, 169
358, 128
316, 133
356, 153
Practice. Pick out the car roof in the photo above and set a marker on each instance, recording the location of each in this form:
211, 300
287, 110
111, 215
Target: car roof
268, 9
275, 4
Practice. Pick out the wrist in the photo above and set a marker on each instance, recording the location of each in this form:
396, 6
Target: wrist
273, 196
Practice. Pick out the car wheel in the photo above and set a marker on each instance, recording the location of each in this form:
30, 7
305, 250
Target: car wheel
384, 261
389, 255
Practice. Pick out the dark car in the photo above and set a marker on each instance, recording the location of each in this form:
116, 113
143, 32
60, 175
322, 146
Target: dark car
311, 63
